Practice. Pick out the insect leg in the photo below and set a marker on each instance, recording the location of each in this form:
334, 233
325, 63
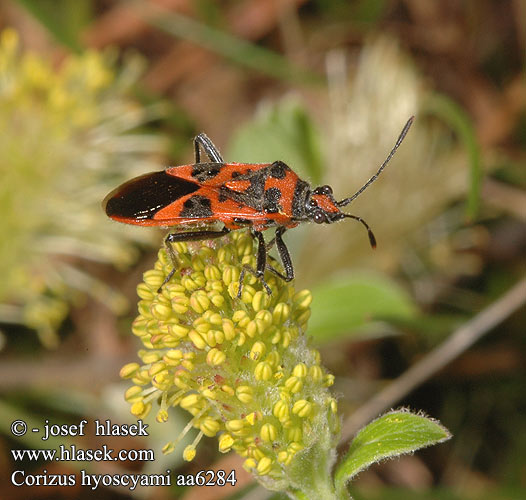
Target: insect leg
188, 236
210, 150
260, 265
284, 255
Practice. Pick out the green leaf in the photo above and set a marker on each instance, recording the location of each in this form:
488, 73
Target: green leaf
393, 434
354, 302
453, 115
285, 132
229, 46
64, 19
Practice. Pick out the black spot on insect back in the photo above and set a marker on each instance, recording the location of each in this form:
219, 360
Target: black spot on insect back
142, 197
197, 206
205, 171
298, 199
278, 170
270, 201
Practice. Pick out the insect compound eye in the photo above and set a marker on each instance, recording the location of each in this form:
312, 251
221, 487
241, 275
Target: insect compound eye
319, 217
325, 190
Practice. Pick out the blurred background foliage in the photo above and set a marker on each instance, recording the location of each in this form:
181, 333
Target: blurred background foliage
93, 92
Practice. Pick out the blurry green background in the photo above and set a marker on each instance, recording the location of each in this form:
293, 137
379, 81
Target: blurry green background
94, 92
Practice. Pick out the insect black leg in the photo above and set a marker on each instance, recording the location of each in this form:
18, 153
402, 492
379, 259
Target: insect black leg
210, 150
261, 264
188, 236
284, 255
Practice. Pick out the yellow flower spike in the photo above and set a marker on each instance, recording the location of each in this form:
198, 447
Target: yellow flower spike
202, 327
187, 364
129, 370
210, 338
241, 318
208, 393
133, 394
215, 337
264, 318
303, 299
228, 389
196, 339
281, 410
263, 371
273, 358
144, 309
215, 357
283, 457
210, 427
281, 313
168, 448
245, 393
300, 370
253, 417
140, 410
241, 368
294, 447
252, 329
162, 416
139, 327
182, 379
173, 357
180, 247
260, 300
212, 272
315, 373
178, 331
275, 336
226, 441
143, 375
199, 302
257, 351
264, 466
230, 275
235, 425
199, 279
189, 283
180, 305
157, 368
145, 292
249, 464
294, 433
189, 453
198, 263
153, 280
286, 338
215, 319
268, 432
192, 400
302, 408
303, 318
228, 329
242, 338
294, 384
247, 294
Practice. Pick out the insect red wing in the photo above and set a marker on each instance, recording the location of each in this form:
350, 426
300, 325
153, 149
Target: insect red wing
208, 206
140, 199
214, 174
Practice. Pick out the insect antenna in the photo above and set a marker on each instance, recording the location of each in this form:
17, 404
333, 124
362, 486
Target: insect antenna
401, 137
372, 239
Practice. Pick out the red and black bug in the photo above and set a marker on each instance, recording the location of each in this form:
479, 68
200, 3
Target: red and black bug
257, 196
